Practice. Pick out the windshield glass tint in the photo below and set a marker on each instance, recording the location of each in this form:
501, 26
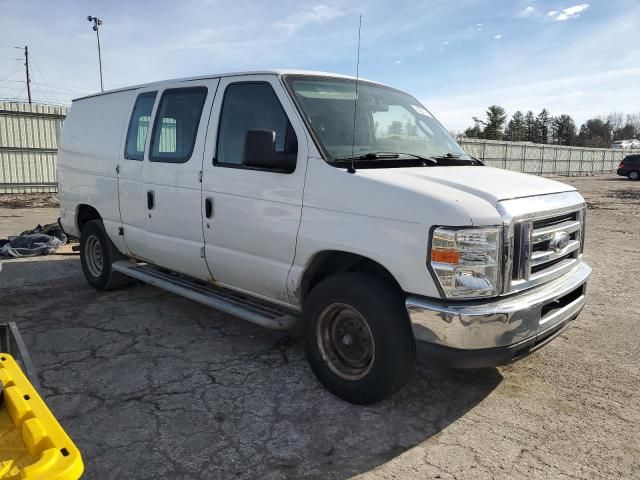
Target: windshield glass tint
387, 120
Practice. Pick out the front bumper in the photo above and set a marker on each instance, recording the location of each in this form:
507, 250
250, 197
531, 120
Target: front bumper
498, 331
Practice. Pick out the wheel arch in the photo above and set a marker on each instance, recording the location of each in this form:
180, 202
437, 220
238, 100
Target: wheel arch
84, 214
327, 263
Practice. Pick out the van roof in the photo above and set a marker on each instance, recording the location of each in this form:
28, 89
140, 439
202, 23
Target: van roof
228, 74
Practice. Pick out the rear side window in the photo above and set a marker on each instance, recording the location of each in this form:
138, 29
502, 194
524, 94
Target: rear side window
251, 106
139, 126
176, 125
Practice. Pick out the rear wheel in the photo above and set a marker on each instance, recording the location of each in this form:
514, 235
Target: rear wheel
634, 175
97, 254
358, 338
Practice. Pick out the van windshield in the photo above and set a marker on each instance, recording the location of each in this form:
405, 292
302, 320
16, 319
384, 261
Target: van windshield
390, 125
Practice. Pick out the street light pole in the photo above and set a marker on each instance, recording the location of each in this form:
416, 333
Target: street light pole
96, 24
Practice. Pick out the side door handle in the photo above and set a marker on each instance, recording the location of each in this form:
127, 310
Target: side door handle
208, 207
151, 200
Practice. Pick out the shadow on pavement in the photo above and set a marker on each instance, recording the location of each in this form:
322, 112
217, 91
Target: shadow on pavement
151, 385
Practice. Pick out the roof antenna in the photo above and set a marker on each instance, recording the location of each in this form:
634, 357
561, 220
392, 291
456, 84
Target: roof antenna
352, 168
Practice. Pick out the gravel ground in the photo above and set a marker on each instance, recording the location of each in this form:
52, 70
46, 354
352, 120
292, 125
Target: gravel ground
154, 386
29, 200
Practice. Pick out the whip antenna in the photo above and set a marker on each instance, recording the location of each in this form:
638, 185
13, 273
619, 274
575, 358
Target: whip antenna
352, 168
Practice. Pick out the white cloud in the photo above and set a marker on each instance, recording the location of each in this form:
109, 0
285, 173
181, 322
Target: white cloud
526, 12
446, 42
498, 36
568, 13
316, 15
398, 62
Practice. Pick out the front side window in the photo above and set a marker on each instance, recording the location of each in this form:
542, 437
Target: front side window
251, 106
139, 126
388, 123
176, 125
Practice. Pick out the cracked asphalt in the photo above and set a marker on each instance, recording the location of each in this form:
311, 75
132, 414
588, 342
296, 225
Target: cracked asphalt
153, 386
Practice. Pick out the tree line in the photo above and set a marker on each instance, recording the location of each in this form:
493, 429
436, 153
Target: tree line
559, 130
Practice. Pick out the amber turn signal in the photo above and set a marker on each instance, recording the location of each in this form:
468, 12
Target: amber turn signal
445, 256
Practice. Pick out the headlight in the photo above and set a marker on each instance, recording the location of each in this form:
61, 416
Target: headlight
466, 261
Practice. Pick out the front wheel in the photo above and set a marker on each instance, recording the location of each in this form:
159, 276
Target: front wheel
358, 337
634, 175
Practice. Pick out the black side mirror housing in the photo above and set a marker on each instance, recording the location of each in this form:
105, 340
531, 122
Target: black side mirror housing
260, 152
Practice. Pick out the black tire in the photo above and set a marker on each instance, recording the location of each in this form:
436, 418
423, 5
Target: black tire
634, 175
382, 308
94, 244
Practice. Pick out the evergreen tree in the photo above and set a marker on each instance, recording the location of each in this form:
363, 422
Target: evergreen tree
477, 130
595, 132
564, 129
496, 117
544, 123
530, 127
516, 127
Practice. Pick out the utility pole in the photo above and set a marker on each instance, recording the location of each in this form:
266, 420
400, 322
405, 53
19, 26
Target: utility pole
26, 66
96, 24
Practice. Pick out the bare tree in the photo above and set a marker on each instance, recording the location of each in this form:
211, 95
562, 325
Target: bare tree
634, 121
615, 120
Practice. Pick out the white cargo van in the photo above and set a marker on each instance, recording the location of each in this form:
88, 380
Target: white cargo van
277, 197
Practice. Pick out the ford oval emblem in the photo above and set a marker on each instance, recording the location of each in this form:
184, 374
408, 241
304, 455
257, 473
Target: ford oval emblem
560, 241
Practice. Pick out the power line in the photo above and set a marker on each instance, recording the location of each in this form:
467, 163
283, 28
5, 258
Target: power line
52, 87
12, 73
64, 90
35, 64
21, 100
70, 87
40, 92
16, 88
20, 92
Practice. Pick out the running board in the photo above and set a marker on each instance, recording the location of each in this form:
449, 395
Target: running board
243, 306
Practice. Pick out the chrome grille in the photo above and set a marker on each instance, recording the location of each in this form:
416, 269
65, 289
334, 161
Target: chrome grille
545, 247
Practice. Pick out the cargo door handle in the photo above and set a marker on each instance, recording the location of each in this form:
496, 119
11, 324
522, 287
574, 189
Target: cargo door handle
151, 201
208, 207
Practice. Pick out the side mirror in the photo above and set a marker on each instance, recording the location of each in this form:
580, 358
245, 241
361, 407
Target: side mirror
260, 152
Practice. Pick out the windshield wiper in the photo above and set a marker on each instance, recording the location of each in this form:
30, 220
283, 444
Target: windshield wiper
387, 155
459, 156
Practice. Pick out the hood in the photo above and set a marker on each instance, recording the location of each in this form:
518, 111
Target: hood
490, 184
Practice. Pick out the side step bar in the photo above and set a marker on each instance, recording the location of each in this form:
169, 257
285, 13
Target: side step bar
234, 303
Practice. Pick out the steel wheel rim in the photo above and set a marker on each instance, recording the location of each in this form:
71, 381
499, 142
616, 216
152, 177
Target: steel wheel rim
93, 256
633, 175
345, 341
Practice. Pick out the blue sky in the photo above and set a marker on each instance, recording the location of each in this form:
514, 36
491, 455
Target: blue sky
458, 57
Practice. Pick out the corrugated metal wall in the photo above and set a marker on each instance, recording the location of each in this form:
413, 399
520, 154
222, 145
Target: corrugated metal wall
545, 159
28, 146
29, 137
